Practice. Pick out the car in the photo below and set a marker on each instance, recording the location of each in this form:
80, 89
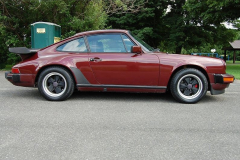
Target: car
116, 61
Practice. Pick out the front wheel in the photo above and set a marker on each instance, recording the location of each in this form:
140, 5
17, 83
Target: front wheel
189, 85
55, 84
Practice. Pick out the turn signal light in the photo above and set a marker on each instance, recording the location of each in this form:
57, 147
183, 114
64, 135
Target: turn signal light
228, 79
15, 70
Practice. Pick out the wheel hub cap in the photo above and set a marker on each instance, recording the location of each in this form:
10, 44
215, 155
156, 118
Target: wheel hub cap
55, 84
189, 86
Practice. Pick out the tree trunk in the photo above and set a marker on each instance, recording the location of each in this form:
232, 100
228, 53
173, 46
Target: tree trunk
234, 56
225, 55
178, 49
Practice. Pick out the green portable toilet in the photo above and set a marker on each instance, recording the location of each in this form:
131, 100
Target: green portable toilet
44, 34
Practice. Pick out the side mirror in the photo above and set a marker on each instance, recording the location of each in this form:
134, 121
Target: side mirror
136, 49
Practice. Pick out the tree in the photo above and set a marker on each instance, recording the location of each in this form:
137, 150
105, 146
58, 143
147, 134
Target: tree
214, 11
187, 31
171, 29
124, 6
73, 16
146, 23
236, 24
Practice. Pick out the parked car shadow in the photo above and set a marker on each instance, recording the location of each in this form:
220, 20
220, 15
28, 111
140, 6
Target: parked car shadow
106, 96
119, 96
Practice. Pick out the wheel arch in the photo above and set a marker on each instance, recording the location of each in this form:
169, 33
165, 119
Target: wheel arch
189, 66
54, 65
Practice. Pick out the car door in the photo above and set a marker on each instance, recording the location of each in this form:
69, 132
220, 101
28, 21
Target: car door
76, 58
113, 63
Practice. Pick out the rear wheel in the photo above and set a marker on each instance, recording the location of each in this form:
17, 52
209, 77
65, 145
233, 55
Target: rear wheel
55, 84
189, 85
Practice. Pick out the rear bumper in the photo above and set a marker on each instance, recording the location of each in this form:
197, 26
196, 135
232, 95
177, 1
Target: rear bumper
12, 77
221, 82
25, 80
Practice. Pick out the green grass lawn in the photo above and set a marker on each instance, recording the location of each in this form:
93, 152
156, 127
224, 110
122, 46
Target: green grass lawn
234, 69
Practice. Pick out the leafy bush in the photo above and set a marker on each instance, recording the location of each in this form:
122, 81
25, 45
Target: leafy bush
17, 16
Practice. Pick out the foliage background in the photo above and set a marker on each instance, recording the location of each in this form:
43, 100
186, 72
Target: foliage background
175, 26
73, 16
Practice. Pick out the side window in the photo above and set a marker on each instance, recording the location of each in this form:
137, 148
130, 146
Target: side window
106, 43
77, 45
128, 43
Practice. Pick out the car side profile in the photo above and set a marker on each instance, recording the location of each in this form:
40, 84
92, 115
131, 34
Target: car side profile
116, 61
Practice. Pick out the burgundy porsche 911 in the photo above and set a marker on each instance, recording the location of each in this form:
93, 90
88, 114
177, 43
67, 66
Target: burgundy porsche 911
116, 61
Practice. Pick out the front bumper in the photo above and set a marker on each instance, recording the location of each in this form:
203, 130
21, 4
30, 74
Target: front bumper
223, 78
221, 81
25, 80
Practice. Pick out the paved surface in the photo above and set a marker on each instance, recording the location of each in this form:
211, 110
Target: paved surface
122, 126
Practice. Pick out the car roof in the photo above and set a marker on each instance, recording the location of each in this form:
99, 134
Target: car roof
102, 31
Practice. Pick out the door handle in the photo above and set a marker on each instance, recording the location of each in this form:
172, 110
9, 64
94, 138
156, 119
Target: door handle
95, 59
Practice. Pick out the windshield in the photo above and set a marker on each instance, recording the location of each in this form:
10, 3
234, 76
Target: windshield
144, 45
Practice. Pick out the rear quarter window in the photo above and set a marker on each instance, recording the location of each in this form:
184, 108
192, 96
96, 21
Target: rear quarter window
76, 45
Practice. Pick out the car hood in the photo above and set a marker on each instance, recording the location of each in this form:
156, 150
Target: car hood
188, 57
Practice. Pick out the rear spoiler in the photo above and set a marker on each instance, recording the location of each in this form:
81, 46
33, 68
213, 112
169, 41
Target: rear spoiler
22, 50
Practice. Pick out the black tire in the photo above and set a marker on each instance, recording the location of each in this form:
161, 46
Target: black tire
55, 84
189, 85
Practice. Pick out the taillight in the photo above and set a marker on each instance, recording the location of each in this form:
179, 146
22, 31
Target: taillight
15, 70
